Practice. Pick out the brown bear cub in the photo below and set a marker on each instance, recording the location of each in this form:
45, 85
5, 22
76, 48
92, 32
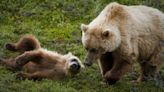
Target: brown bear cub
38, 63
122, 35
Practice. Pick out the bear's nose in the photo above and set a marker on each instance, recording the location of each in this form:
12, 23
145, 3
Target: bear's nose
87, 62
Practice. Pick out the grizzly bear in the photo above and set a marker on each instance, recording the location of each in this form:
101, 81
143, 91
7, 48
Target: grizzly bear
121, 35
37, 63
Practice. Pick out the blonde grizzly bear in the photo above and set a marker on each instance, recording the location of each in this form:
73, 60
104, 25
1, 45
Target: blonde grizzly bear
121, 35
38, 63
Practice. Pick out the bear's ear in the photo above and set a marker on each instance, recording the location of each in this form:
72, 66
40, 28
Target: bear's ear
116, 10
107, 33
84, 27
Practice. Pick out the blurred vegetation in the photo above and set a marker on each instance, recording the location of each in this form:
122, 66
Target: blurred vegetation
56, 23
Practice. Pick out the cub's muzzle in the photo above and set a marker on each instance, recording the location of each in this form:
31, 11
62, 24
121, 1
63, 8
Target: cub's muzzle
74, 66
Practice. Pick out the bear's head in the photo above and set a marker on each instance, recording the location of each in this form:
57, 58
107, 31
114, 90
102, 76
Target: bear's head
98, 41
73, 64
103, 33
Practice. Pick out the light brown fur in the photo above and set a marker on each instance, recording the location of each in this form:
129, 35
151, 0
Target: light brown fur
38, 63
122, 35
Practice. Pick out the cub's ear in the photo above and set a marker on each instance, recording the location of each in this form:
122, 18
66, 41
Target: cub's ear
84, 27
107, 33
69, 53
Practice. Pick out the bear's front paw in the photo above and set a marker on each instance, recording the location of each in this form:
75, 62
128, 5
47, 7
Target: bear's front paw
110, 79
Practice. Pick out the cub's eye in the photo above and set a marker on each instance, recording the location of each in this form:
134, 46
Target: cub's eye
93, 50
74, 60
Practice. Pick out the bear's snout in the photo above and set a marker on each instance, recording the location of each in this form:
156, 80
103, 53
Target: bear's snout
87, 62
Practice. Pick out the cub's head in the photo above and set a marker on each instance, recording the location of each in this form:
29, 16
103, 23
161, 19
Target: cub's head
98, 40
73, 64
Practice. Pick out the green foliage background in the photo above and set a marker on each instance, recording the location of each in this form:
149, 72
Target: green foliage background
56, 23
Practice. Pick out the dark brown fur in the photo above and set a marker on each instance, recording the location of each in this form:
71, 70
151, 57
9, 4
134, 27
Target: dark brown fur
26, 43
106, 62
112, 70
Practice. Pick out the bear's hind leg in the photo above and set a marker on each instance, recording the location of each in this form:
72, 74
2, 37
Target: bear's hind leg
150, 68
148, 72
26, 43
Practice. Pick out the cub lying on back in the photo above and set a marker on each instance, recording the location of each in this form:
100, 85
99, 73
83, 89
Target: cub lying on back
39, 63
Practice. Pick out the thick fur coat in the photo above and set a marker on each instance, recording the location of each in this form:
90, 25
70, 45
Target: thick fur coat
121, 35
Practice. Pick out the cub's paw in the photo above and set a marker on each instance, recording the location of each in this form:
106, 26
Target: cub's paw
21, 76
10, 47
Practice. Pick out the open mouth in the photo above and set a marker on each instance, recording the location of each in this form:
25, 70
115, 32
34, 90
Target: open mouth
107, 61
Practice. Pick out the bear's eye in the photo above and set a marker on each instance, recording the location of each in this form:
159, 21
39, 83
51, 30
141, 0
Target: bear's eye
86, 49
93, 50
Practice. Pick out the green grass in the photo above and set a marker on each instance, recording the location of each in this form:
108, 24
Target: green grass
56, 23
